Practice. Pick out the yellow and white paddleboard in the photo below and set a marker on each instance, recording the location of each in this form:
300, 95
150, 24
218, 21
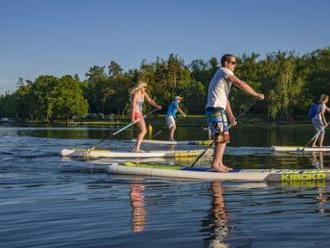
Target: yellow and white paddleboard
300, 149
102, 153
181, 142
268, 175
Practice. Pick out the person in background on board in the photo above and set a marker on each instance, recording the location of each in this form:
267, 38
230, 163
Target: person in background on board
218, 107
138, 95
319, 121
173, 108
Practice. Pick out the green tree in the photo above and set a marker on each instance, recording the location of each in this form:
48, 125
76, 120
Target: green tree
25, 101
43, 91
97, 89
284, 85
248, 70
318, 75
115, 69
194, 96
69, 99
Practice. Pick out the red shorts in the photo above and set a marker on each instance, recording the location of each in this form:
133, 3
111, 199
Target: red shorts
136, 116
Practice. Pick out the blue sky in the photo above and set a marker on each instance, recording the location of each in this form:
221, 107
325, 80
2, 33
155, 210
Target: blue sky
60, 37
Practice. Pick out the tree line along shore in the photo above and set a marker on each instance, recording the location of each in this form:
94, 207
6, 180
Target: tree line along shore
289, 81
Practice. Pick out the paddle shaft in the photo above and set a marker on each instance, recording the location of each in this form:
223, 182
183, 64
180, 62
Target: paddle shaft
125, 127
202, 154
238, 117
316, 135
162, 130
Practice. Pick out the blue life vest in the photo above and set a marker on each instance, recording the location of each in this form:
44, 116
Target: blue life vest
314, 109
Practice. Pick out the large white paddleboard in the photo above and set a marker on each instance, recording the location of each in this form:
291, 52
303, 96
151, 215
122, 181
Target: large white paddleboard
300, 149
169, 142
284, 176
97, 153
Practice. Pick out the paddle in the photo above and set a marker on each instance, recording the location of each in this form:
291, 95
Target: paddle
316, 135
159, 132
119, 131
212, 143
163, 129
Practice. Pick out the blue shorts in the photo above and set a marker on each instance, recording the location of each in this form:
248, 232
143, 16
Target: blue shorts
218, 123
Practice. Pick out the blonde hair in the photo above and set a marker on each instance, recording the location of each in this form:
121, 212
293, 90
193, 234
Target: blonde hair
140, 84
323, 98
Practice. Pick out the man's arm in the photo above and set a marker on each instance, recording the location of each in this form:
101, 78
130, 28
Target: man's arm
245, 87
181, 112
230, 114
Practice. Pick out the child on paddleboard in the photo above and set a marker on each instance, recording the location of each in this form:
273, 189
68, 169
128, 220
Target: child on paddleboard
318, 120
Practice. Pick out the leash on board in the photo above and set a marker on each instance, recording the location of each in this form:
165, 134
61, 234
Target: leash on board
316, 136
212, 143
118, 131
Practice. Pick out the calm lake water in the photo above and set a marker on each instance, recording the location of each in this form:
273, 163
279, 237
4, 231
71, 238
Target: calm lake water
47, 201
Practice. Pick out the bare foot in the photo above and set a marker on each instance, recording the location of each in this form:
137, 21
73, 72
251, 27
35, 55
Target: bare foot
226, 167
220, 169
138, 151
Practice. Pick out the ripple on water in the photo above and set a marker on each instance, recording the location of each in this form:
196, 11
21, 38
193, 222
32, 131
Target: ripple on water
46, 201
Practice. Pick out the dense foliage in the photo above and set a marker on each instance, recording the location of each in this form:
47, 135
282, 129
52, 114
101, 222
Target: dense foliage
290, 83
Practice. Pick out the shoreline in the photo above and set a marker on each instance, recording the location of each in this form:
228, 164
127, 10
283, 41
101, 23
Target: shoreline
192, 120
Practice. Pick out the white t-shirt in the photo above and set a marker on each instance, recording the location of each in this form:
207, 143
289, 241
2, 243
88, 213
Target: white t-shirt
219, 88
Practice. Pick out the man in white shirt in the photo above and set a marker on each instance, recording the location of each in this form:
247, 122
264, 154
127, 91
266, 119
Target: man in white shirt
218, 107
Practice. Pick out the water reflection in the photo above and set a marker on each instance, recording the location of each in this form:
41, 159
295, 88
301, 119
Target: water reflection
244, 135
218, 218
318, 160
138, 209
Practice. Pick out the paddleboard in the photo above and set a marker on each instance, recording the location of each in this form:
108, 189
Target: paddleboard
268, 175
101, 153
300, 149
169, 142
